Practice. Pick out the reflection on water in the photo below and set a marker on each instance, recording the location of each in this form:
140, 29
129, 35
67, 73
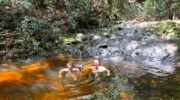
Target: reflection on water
39, 81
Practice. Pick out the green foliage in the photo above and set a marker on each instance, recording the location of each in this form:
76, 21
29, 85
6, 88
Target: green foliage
3, 1
23, 4
32, 25
19, 5
37, 26
71, 20
111, 11
37, 35
170, 28
153, 9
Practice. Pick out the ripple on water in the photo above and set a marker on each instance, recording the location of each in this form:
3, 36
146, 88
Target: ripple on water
39, 81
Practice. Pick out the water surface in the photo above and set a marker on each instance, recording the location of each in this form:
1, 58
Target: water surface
39, 80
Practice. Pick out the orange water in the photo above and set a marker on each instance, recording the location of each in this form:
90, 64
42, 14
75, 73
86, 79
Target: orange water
39, 81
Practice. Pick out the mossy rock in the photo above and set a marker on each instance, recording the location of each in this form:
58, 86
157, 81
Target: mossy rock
62, 46
69, 40
80, 46
105, 34
93, 21
139, 38
170, 28
105, 23
116, 27
136, 31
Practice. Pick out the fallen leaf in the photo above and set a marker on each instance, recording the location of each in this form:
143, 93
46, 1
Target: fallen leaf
154, 83
124, 95
4, 64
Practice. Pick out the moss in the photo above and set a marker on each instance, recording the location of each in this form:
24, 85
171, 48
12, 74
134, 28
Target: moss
62, 46
105, 23
93, 21
171, 28
139, 38
115, 27
72, 38
3, 42
80, 46
79, 35
136, 31
69, 40
105, 33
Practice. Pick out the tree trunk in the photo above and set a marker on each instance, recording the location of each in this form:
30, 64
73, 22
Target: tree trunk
168, 5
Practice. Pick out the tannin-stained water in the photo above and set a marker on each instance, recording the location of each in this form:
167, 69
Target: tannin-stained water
39, 81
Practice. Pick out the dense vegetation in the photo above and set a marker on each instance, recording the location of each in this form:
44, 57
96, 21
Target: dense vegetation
168, 28
39, 26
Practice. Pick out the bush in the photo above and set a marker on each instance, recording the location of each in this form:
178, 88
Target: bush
153, 9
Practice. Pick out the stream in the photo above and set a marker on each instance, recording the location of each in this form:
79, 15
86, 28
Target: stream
39, 80
143, 67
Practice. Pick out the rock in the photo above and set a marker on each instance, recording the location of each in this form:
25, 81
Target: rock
96, 37
141, 47
80, 37
80, 46
131, 45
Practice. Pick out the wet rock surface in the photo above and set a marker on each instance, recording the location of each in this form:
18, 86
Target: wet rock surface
133, 44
